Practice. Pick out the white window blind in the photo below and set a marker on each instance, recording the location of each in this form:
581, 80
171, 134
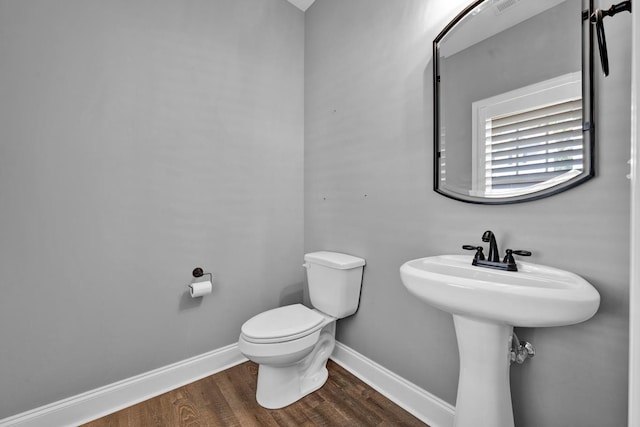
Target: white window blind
533, 146
528, 139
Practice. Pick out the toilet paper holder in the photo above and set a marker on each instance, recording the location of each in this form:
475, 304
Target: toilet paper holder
199, 272
200, 288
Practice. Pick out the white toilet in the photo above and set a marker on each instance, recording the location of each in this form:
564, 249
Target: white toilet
292, 344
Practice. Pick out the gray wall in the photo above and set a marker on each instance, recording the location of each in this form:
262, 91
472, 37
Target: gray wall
368, 180
138, 140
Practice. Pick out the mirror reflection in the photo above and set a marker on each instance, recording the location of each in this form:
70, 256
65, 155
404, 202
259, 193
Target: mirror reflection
510, 117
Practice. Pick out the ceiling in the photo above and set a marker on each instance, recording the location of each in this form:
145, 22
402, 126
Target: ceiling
301, 4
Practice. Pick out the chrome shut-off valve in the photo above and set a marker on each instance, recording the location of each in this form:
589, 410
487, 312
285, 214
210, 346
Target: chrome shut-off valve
520, 350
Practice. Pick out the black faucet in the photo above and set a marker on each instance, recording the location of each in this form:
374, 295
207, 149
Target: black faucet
493, 257
494, 254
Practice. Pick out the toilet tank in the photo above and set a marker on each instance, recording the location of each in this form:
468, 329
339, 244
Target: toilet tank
334, 281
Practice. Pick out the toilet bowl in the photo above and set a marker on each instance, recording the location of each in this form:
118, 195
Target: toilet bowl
292, 344
290, 366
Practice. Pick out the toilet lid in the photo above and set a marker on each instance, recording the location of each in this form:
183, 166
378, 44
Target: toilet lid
282, 322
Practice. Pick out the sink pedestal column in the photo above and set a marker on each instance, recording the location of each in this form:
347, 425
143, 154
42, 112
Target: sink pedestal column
484, 392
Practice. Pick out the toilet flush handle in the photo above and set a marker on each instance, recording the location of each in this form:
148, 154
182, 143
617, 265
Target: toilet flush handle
306, 265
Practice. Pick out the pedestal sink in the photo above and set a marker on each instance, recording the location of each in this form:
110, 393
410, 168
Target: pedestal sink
486, 304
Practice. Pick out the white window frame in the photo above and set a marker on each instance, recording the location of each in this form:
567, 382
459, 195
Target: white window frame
548, 92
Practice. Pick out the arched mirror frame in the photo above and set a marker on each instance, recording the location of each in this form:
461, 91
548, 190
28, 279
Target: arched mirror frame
588, 110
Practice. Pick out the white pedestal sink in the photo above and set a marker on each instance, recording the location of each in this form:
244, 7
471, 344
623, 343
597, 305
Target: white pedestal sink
486, 304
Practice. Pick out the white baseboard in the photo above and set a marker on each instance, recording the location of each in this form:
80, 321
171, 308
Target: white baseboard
418, 402
111, 398
105, 400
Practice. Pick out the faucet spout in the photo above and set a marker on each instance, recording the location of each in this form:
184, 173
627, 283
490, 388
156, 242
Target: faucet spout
494, 254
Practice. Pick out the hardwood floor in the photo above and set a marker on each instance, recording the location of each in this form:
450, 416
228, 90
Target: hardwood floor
228, 399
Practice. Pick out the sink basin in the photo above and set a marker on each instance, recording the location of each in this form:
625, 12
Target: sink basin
533, 296
486, 304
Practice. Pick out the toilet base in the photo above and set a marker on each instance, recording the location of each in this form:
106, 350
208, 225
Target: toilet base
280, 386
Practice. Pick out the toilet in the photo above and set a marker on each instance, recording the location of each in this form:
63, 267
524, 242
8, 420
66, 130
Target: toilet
291, 344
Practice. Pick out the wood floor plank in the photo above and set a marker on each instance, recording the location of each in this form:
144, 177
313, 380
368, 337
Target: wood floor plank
227, 399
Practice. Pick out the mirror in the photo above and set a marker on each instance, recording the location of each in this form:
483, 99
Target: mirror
512, 101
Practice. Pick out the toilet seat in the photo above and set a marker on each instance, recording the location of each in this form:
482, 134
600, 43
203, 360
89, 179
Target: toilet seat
283, 324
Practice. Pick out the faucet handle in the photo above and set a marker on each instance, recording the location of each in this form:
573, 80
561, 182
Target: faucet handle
479, 254
508, 258
522, 252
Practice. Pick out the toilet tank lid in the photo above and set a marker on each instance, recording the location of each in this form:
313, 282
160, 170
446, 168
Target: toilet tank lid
334, 260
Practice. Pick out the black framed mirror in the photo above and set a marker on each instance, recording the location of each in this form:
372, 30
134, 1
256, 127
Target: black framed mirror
513, 101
